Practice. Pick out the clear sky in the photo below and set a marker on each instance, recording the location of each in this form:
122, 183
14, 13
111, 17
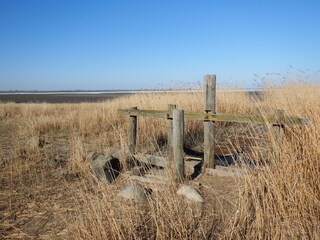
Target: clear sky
73, 44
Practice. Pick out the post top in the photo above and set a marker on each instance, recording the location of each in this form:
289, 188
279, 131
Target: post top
209, 76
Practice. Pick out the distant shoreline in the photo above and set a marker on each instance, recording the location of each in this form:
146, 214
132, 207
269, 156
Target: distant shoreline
98, 92
57, 97
124, 91
89, 96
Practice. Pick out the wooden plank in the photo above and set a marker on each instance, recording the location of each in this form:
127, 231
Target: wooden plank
208, 126
222, 173
133, 133
177, 144
152, 160
148, 179
219, 117
146, 113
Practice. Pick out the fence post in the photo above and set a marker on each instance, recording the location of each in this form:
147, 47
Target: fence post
178, 128
208, 126
278, 131
133, 133
169, 124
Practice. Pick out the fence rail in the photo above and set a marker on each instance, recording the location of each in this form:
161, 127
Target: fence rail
219, 117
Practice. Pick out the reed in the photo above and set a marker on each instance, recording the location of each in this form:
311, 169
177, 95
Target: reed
49, 192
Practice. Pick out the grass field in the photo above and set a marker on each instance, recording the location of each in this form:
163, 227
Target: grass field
48, 190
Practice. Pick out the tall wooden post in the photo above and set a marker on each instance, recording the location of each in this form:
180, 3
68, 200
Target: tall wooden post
208, 126
178, 128
169, 124
133, 133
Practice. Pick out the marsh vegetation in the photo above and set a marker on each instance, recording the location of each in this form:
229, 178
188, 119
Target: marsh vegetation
48, 190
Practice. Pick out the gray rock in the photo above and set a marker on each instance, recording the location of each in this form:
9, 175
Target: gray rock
133, 191
105, 168
190, 193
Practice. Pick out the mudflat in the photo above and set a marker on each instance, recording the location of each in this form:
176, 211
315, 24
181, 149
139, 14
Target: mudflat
58, 97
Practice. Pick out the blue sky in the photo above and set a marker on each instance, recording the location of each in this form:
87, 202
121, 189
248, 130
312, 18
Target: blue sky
67, 45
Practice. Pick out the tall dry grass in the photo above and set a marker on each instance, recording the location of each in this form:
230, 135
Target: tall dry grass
48, 190
281, 199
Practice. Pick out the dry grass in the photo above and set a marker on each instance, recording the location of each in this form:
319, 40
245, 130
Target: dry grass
49, 192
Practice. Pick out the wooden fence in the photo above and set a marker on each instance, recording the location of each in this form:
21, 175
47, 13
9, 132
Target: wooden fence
175, 124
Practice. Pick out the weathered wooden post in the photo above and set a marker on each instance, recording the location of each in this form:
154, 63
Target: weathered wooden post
169, 124
208, 126
133, 133
177, 142
278, 131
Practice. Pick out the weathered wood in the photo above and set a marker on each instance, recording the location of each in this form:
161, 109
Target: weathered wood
219, 117
223, 173
209, 144
169, 124
147, 179
152, 160
175, 124
208, 126
278, 128
133, 133
210, 93
278, 131
146, 113
178, 128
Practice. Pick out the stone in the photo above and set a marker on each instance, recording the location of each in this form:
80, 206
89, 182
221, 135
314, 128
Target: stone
190, 193
133, 191
105, 168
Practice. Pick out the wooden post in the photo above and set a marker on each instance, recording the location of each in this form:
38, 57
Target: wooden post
178, 128
208, 126
278, 131
133, 133
169, 124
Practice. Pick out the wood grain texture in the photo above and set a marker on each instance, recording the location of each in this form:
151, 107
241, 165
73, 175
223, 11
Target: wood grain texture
178, 129
133, 133
208, 126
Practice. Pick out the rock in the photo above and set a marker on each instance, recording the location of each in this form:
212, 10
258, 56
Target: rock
105, 168
190, 193
133, 191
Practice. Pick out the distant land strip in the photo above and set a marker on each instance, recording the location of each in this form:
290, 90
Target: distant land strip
93, 96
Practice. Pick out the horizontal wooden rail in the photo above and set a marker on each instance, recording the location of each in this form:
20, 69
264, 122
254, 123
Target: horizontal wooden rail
220, 117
